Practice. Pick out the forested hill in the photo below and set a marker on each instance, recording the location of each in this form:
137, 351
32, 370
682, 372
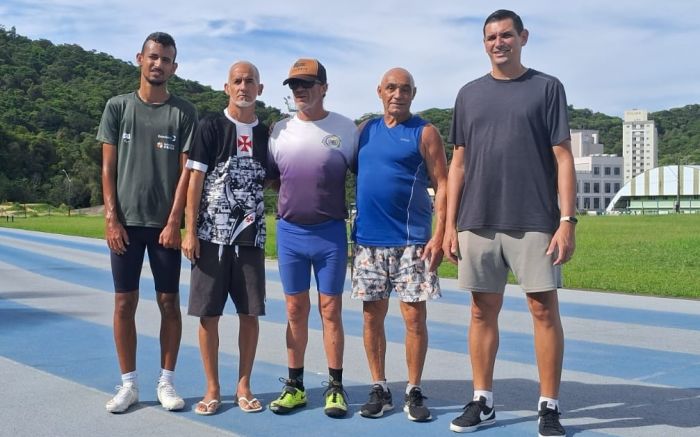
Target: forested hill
51, 100
52, 97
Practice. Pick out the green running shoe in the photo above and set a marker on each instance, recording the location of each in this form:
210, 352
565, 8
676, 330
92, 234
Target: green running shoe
290, 398
336, 406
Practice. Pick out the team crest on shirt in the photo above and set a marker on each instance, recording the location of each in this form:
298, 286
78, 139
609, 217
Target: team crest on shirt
245, 145
331, 141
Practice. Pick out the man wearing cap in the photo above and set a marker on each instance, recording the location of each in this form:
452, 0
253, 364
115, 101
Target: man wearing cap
311, 153
511, 195
400, 155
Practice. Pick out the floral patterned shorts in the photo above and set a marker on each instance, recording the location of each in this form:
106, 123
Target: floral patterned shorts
378, 270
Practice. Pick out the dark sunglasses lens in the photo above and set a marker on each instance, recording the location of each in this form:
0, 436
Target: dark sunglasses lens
294, 84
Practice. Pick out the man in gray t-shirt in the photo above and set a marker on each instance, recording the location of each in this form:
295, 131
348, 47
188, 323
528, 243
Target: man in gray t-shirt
510, 206
145, 136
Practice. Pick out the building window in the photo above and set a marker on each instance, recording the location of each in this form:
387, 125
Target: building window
596, 203
607, 201
586, 187
596, 170
586, 203
606, 172
616, 171
596, 187
607, 187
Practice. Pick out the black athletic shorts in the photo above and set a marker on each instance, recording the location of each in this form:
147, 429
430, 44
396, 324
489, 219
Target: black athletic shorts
222, 271
165, 263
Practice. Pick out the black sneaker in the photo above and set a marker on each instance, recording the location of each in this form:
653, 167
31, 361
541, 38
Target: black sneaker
549, 421
476, 414
379, 402
414, 406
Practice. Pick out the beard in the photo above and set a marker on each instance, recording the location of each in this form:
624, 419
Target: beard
155, 82
244, 103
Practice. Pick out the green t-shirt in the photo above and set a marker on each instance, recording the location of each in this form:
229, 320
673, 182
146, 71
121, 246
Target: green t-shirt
149, 140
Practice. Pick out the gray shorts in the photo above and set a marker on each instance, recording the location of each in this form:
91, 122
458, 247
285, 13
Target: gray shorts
378, 270
487, 255
223, 271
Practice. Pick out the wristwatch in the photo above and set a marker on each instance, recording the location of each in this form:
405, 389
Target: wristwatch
569, 218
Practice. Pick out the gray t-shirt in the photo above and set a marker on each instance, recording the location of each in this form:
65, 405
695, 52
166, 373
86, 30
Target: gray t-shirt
508, 128
149, 140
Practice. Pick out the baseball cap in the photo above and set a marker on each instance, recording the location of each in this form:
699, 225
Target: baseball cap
307, 69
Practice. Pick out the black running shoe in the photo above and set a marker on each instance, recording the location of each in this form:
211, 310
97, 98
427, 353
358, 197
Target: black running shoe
549, 421
379, 402
476, 414
414, 406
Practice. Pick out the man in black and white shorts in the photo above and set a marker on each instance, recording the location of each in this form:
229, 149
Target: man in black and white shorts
225, 231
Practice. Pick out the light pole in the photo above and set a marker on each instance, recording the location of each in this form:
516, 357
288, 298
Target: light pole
70, 188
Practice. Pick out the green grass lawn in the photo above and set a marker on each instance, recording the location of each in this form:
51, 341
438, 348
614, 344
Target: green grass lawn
655, 255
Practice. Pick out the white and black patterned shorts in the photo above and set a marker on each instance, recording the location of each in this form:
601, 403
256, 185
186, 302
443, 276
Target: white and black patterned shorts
378, 270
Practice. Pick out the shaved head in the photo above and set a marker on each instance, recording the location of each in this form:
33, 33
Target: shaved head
253, 69
398, 72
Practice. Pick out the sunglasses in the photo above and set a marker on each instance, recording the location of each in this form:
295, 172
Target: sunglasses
306, 84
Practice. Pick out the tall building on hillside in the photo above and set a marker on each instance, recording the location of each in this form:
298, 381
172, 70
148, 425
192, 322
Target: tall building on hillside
640, 143
598, 175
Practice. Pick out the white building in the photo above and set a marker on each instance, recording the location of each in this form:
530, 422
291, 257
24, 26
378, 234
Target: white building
640, 148
672, 188
598, 175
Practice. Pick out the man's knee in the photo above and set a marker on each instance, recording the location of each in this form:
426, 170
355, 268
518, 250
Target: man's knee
544, 307
169, 305
415, 316
125, 305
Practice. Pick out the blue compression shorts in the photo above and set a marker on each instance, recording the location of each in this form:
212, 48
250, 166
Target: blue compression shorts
323, 247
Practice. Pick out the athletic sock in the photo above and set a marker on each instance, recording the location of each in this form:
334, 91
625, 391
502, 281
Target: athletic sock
551, 403
410, 387
382, 383
488, 395
336, 374
297, 377
130, 379
166, 376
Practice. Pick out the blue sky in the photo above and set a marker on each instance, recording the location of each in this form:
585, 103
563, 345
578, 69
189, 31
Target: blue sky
611, 55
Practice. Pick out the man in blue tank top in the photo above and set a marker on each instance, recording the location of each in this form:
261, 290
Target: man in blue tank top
400, 156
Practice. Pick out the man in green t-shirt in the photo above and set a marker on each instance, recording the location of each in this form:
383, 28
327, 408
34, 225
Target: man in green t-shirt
145, 137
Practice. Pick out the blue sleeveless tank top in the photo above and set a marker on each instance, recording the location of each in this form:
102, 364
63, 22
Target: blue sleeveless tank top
393, 205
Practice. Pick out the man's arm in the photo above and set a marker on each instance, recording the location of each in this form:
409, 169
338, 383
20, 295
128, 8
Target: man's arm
190, 244
170, 235
115, 234
455, 182
433, 152
564, 239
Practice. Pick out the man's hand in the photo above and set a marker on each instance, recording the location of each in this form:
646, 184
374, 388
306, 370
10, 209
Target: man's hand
450, 245
433, 253
563, 242
116, 236
190, 246
170, 236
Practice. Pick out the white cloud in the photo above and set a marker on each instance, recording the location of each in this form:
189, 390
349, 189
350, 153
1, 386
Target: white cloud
610, 55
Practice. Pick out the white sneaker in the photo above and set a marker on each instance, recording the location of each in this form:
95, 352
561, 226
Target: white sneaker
127, 395
168, 398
